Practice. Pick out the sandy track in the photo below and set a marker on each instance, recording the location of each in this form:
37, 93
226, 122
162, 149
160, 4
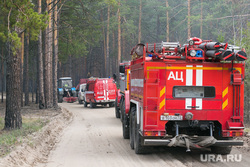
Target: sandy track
94, 138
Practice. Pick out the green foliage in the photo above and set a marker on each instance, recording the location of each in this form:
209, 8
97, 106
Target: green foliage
80, 28
82, 23
221, 38
18, 16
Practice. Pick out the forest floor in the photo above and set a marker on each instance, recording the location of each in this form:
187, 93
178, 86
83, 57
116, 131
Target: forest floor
32, 143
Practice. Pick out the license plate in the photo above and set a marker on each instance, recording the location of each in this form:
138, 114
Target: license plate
171, 117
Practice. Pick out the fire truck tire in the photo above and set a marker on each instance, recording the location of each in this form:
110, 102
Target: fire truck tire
132, 127
111, 104
121, 109
80, 101
139, 148
92, 105
117, 112
221, 150
125, 127
85, 104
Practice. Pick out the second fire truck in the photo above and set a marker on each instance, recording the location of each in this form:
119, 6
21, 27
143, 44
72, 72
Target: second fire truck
190, 96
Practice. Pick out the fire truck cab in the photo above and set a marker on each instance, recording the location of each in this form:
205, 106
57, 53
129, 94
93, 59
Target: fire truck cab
189, 96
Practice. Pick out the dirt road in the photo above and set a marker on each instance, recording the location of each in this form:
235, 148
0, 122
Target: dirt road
94, 138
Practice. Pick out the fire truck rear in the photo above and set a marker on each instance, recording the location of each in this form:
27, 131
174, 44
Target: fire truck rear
190, 96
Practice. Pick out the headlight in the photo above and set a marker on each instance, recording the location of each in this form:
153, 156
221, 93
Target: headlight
188, 115
192, 53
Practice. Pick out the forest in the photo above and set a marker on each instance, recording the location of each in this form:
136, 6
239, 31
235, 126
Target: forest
43, 40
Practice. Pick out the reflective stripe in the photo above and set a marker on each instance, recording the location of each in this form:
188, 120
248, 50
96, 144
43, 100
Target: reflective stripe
225, 92
225, 103
162, 97
225, 98
162, 103
199, 82
189, 82
162, 92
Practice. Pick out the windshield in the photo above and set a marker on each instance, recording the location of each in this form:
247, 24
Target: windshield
67, 83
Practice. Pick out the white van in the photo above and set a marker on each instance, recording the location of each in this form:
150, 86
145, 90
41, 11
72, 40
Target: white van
81, 93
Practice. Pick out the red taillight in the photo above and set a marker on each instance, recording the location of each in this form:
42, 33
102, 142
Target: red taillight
232, 133
154, 133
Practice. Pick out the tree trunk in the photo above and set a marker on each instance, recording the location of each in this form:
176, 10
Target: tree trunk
13, 119
123, 45
201, 19
40, 65
139, 27
158, 28
167, 27
47, 61
26, 72
104, 74
21, 68
50, 54
114, 69
85, 67
55, 57
189, 22
108, 59
234, 29
2, 74
119, 34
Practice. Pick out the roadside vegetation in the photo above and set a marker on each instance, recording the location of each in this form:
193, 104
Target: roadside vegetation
10, 139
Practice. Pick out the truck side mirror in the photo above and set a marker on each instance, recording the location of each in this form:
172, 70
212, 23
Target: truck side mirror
122, 69
114, 76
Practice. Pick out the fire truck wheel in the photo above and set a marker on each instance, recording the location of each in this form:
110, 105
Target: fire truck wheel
92, 105
111, 104
221, 150
80, 101
121, 109
139, 148
85, 104
117, 112
132, 127
125, 127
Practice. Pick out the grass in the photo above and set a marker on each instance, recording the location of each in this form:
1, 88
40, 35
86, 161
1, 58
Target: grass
9, 139
247, 130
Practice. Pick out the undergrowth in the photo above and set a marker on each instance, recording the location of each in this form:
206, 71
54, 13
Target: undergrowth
9, 139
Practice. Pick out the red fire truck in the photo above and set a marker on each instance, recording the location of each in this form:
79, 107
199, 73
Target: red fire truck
100, 91
123, 100
190, 96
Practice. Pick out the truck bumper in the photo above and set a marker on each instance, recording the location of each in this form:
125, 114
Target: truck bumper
165, 142
105, 101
